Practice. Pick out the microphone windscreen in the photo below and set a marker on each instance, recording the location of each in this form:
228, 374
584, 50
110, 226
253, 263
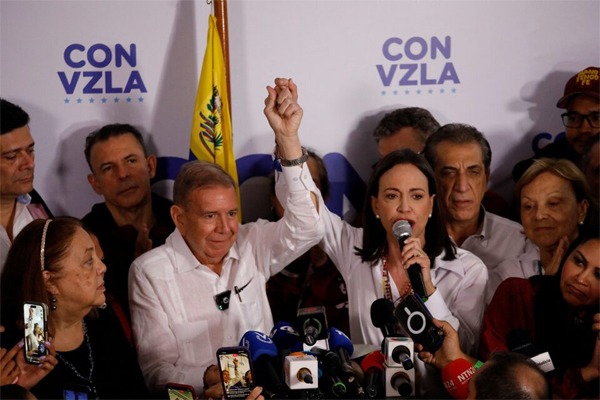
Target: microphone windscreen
339, 339
382, 313
401, 229
374, 359
258, 344
456, 376
286, 337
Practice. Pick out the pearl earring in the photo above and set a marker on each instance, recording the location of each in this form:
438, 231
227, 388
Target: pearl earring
377, 216
429, 215
580, 222
53, 303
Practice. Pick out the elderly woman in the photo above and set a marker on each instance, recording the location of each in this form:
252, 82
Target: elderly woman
554, 202
402, 187
556, 314
55, 262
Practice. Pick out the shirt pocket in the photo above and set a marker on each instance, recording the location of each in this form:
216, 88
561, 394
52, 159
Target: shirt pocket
250, 307
193, 341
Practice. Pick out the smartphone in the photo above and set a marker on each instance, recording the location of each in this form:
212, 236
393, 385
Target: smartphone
418, 323
35, 321
178, 391
236, 372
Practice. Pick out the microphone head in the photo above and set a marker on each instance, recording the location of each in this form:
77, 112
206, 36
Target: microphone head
374, 359
456, 376
258, 344
520, 341
339, 339
286, 337
402, 230
382, 313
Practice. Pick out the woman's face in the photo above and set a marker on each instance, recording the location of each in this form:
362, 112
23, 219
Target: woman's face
80, 278
580, 279
403, 194
549, 210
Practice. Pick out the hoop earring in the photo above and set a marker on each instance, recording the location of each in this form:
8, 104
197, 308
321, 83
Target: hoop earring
53, 303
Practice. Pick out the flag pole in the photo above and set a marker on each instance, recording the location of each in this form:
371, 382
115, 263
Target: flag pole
222, 27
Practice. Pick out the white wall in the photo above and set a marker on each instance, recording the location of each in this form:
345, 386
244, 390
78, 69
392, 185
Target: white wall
512, 59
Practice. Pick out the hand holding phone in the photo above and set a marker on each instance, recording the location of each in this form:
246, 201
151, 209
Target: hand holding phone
178, 391
418, 323
35, 320
236, 372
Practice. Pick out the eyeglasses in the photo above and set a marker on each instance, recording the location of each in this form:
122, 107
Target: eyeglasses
575, 120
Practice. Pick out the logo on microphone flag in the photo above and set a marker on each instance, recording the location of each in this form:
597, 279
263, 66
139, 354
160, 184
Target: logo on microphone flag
211, 137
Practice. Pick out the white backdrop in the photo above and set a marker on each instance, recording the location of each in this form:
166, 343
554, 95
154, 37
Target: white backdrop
498, 65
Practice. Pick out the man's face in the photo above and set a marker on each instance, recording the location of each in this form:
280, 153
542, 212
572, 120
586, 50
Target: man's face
462, 180
208, 222
405, 138
579, 137
121, 172
17, 162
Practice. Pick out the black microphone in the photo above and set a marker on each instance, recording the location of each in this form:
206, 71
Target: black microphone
312, 324
403, 231
382, 317
372, 365
519, 341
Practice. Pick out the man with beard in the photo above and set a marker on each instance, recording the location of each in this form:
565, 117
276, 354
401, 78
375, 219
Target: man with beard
19, 203
132, 219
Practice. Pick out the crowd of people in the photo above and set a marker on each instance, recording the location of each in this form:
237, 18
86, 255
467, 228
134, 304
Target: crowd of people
142, 291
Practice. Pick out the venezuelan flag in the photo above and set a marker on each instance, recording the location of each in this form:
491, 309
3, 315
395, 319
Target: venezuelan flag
211, 137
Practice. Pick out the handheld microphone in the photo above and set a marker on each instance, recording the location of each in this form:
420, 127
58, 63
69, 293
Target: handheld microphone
286, 337
263, 352
341, 344
401, 355
312, 324
382, 316
520, 341
456, 376
300, 371
403, 231
372, 365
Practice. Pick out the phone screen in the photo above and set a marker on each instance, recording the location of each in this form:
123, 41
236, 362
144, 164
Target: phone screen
35, 335
180, 392
236, 372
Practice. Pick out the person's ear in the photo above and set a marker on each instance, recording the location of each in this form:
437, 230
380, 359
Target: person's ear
582, 210
49, 283
151, 160
178, 217
375, 206
94, 183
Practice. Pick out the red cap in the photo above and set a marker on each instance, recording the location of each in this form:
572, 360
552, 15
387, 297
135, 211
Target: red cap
456, 377
584, 82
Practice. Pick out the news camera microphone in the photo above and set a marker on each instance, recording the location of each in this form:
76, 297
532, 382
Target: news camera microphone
520, 341
341, 344
263, 353
401, 355
456, 376
312, 325
286, 337
300, 371
401, 383
403, 231
382, 316
372, 366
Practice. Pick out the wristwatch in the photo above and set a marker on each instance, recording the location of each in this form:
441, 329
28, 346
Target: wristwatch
298, 161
